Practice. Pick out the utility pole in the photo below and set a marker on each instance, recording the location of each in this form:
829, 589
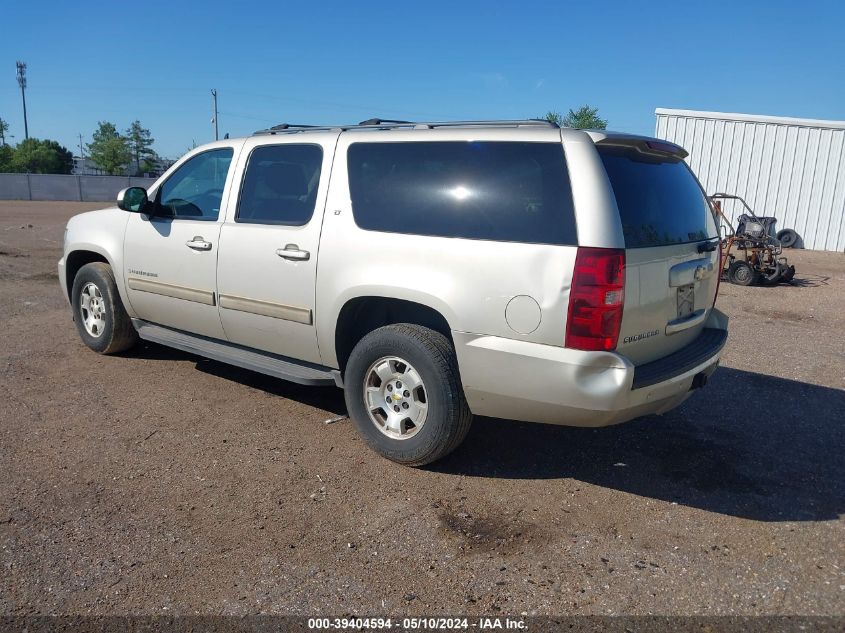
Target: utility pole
3, 127
81, 156
214, 120
22, 83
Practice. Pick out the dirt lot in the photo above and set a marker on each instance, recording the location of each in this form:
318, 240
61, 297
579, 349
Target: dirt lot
155, 482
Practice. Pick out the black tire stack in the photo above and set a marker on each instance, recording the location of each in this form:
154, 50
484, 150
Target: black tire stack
788, 238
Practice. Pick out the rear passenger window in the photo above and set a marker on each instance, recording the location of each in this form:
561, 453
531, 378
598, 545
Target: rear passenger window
503, 191
280, 185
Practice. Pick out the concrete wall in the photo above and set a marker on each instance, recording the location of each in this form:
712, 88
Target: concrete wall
793, 169
62, 187
14, 187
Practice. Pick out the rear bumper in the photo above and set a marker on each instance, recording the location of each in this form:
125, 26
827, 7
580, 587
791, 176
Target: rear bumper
519, 380
709, 342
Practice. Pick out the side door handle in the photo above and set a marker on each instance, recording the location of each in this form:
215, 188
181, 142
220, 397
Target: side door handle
293, 253
198, 243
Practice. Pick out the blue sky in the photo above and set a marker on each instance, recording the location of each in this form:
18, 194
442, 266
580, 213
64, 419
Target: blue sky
327, 62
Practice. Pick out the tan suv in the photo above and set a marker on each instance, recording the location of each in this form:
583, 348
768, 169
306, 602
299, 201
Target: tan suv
433, 270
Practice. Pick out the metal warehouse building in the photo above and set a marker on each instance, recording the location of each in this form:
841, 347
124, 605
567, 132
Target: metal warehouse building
788, 168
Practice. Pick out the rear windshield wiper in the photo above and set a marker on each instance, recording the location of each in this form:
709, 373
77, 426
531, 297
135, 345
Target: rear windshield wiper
708, 247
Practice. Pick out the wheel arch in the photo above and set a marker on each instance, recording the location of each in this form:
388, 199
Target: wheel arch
78, 258
86, 253
362, 314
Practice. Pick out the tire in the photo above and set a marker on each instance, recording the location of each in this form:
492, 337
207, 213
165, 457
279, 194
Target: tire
742, 274
437, 417
98, 312
787, 238
774, 277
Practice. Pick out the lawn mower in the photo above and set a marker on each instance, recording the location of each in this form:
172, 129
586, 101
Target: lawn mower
751, 252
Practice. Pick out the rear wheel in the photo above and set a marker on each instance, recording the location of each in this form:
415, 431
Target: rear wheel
742, 274
98, 312
404, 394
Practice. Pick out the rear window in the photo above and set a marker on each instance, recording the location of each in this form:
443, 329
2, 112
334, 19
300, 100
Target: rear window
503, 191
660, 201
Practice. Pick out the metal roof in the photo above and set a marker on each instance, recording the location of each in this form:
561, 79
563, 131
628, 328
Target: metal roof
751, 118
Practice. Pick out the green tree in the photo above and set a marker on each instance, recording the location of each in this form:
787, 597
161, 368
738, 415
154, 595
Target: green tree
585, 118
148, 166
140, 143
109, 150
554, 117
6, 154
4, 127
36, 156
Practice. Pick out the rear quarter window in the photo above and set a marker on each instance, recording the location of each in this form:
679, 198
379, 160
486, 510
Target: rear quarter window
660, 201
503, 191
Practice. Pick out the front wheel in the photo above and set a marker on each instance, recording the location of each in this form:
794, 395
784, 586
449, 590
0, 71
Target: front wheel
98, 312
404, 394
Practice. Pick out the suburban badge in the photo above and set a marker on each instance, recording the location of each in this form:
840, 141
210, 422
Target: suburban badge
639, 337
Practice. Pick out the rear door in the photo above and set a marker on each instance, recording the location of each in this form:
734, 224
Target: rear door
671, 249
267, 263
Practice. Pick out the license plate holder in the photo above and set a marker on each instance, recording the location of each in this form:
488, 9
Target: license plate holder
686, 300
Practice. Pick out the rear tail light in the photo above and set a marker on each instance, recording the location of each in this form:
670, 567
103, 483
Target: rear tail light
596, 299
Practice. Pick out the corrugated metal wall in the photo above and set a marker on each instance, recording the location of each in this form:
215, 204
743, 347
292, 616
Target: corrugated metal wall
788, 168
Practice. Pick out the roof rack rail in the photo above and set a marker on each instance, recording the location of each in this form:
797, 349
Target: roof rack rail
387, 124
290, 126
283, 128
376, 121
492, 123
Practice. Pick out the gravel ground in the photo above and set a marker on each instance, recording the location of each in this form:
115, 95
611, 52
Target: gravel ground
158, 483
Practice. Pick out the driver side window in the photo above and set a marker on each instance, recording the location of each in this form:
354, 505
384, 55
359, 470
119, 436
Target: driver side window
195, 190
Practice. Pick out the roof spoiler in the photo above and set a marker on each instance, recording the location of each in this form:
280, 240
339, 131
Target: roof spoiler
644, 144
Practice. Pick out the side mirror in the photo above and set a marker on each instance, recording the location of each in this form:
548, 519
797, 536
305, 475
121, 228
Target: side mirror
132, 199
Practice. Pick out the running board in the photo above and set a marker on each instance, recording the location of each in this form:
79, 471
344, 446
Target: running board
244, 357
